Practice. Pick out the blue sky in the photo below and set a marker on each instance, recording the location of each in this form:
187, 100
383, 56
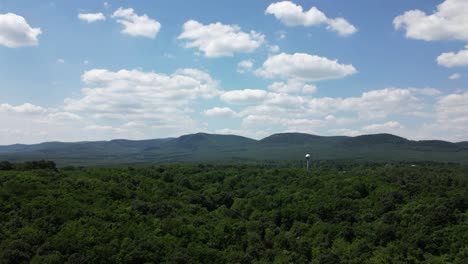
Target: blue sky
98, 70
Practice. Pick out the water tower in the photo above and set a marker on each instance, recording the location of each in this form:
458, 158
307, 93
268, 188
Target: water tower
307, 157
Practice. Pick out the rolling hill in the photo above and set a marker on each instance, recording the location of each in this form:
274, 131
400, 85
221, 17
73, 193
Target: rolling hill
203, 147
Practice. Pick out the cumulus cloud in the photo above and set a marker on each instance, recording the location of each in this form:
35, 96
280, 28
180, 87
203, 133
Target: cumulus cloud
91, 17
292, 86
244, 96
29, 123
451, 59
273, 48
428, 91
305, 67
373, 111
245, 66
345, 132
219, 40
389, 126
281, 35
220, 112
26, 108
453, 107
135, 25
291, 14
135, 104
341, 26
162, 103
448, 22
370, 105
450, 118
16, 32
455, 76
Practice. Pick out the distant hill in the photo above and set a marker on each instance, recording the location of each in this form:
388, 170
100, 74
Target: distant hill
203, 147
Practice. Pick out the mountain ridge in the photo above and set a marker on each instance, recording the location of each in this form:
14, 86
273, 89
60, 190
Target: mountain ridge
201, 147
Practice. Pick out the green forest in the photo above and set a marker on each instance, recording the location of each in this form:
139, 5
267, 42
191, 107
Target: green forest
226, 213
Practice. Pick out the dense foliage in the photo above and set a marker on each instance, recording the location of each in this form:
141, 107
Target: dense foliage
235, 214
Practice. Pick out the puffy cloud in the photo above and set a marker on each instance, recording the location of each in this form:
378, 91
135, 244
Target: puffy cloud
257, 134
305, 67
244, 96
341, 26
64, 116
273, 48
451, 59
279, 112
281, 34
26, 108
29, 123
16, 32
245, 66
385, 127
291, 14
219, 40
135, 25
292, 86
370, 105
455, 76
450, 118
453, 107
220, 112
448, 22
91, 17
345, 132
425, 91
162, 102
129, 88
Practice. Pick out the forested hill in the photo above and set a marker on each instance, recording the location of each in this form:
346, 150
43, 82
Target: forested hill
234, 214
231, 148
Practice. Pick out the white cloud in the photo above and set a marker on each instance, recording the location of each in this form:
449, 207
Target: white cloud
451, 59
106, 4
303, 66
281, 34
135, 25
219, 40
64, 116
15, 31
257, 134
453, 106
425, 91
374, 104
341, 26
450, 118
246, 96
163, 103
245, 66
60, 61
455, 76
291, 14
274, 48
448, 22
292, 86
26, 108
91, 17
389, 126
345, 132
220, 112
